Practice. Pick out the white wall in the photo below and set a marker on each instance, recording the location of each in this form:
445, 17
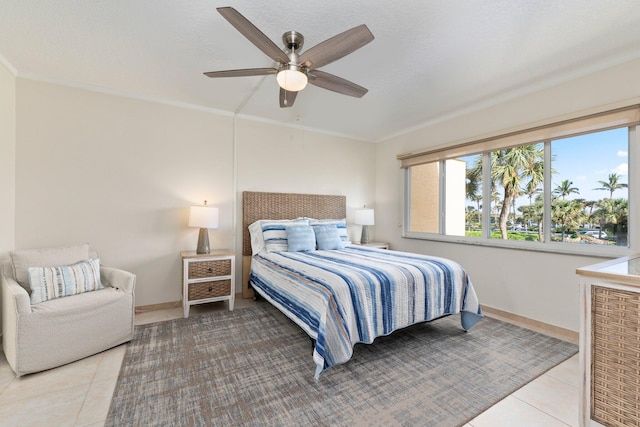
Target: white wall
7, 164
540, 286
296, 161
121, 173
7, 160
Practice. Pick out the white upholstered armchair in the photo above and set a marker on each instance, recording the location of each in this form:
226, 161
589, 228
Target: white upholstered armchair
56, 331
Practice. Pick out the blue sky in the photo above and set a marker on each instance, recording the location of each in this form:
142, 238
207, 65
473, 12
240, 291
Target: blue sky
586, 159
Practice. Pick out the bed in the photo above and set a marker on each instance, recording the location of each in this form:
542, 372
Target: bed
342, 294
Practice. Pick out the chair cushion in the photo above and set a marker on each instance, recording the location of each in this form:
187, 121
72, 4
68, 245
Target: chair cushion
50, 257
56, 282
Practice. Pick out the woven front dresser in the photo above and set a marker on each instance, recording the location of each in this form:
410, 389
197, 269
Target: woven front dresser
207, 278
610, 343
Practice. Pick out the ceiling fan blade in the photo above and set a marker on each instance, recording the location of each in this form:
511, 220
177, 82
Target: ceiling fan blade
336, 47
287, 98
242, 73
254, 35
336, 84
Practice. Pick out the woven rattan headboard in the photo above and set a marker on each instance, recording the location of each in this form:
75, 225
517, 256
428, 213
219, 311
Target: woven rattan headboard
257, 206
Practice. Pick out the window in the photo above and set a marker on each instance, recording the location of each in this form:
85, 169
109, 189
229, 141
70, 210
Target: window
590, 198
567, 185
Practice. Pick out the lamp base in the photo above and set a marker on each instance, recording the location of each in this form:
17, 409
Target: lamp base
203, 241
365, 234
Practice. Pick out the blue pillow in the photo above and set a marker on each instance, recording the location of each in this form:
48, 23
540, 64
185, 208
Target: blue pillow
341, 224
328, 237
301, 238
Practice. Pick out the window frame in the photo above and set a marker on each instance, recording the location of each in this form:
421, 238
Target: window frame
628, 117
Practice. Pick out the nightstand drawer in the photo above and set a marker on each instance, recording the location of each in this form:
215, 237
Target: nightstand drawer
202, 269
204, 290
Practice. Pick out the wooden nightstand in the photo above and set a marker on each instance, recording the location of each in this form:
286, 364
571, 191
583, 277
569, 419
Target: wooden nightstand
207, 278
379, 245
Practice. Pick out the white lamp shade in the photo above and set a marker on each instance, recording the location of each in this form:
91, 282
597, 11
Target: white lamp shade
364, 217
291, 80
203, 217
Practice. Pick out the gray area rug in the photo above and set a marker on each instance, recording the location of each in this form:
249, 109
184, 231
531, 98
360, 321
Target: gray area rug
253, 367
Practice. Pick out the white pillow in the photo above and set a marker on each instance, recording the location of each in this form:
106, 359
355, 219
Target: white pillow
257, 242
56, 282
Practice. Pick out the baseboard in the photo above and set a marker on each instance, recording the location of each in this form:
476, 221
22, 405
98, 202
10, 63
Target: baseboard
534, 325
156, 307
165, 305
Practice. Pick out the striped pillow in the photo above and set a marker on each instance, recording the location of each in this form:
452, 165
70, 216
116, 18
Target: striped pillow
301, 238
55, 282
274, 234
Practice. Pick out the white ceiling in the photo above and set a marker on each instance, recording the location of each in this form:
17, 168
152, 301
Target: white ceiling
430, 59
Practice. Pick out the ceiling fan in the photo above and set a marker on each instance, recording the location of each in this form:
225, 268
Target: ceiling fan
295, 69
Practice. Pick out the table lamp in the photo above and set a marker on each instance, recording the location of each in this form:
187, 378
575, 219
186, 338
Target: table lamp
365, 218
203, 217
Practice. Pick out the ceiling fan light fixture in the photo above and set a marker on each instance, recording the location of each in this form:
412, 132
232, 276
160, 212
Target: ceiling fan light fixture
292, 79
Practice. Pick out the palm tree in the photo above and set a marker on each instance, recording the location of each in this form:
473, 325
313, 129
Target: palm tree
469, 214
612, 211
590, 204
531, 190
513, 208
511, 168
569, 213
537, 213
565, 189
611, 185
474, 186
474, 179
477, 199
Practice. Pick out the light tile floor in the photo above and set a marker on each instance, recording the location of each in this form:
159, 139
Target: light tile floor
79, 394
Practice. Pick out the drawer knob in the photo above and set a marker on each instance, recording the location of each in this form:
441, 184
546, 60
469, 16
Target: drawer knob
210, 269
210, 288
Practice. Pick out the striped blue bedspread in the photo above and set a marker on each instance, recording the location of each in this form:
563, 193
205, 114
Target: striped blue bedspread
343, 297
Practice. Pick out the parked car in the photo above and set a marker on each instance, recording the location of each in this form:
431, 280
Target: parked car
595, 233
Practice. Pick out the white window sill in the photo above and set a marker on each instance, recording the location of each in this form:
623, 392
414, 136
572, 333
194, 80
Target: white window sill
601, 251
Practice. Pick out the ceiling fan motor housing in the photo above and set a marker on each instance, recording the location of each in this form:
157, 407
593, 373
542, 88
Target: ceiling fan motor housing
293, 40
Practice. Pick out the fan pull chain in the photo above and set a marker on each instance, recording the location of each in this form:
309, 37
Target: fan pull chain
286, 92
